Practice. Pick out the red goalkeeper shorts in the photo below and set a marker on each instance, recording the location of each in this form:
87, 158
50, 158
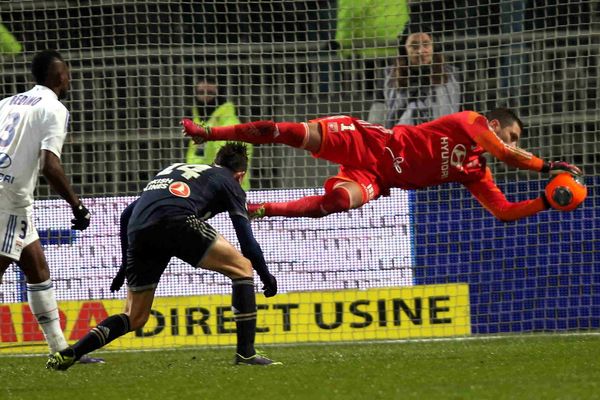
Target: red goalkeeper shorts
368, 181
351, 142
357, 146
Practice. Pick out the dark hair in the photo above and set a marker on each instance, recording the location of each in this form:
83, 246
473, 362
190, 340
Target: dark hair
40, 65
233, 156
505, 116
210, 79
401, 67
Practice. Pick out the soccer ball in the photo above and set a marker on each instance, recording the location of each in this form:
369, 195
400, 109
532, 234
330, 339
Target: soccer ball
565, 192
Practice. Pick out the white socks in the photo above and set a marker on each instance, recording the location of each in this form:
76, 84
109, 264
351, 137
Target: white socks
42, 302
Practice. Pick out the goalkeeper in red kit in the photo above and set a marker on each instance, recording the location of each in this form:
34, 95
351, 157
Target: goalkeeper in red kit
374, 159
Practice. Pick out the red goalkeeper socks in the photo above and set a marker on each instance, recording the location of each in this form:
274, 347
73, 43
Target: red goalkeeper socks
260, 132
305, 207
337, 200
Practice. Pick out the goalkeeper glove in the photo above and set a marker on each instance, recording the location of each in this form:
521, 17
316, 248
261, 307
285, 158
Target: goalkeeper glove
545, 200
82, 217
198, 132
556, 167
270, 285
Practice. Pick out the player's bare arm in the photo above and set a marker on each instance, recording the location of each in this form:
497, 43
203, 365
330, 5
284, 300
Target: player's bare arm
58, 181
56, 177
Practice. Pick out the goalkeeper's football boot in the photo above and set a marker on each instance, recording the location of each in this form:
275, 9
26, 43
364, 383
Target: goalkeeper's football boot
198, 132
257, 359
59, 362
256, 211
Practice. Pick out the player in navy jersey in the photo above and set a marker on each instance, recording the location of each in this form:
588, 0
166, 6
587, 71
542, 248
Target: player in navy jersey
169, 220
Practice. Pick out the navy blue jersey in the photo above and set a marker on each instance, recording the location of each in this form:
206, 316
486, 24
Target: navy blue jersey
188, 189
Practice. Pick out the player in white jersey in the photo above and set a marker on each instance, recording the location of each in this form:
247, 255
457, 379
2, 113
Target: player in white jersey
33, 126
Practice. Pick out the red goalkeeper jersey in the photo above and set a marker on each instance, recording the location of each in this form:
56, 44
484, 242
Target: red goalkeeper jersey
448, 149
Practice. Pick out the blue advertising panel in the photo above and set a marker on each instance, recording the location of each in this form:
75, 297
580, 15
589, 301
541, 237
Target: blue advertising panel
541, 273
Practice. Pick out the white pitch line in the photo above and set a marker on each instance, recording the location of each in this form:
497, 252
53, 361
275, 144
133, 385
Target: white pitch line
365, 342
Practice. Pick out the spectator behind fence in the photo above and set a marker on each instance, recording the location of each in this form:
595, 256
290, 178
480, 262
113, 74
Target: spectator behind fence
418, 87
8, 43
212, 107
366, 31
365, 27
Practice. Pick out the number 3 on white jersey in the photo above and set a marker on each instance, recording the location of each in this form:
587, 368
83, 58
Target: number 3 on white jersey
9, 128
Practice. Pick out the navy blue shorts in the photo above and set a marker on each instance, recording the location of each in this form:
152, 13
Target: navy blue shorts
150, 249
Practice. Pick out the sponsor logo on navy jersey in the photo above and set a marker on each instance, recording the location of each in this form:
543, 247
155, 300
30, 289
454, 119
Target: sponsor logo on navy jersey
179, 189
160, 183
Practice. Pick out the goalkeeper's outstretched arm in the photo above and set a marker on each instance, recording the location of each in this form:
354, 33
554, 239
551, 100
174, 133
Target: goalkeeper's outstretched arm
509, 153
493, 200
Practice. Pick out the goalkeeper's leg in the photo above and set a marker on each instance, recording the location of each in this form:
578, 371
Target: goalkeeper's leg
300, 135
343, 197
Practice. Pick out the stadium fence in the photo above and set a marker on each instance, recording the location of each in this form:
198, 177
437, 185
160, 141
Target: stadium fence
430, 263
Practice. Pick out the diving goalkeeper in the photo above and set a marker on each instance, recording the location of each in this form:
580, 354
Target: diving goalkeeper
374, 159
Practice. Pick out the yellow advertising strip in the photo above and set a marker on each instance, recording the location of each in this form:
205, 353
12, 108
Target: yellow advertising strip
344, 315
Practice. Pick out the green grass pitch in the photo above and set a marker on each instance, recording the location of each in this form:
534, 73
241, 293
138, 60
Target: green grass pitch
554, 366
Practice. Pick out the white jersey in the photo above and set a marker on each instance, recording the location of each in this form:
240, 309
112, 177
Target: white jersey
29, 122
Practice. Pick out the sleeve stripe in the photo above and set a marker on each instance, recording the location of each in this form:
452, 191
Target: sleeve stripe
519, 152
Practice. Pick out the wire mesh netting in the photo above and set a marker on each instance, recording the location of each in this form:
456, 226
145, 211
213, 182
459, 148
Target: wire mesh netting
138, 67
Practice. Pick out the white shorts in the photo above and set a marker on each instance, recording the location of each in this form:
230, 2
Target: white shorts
16, 233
